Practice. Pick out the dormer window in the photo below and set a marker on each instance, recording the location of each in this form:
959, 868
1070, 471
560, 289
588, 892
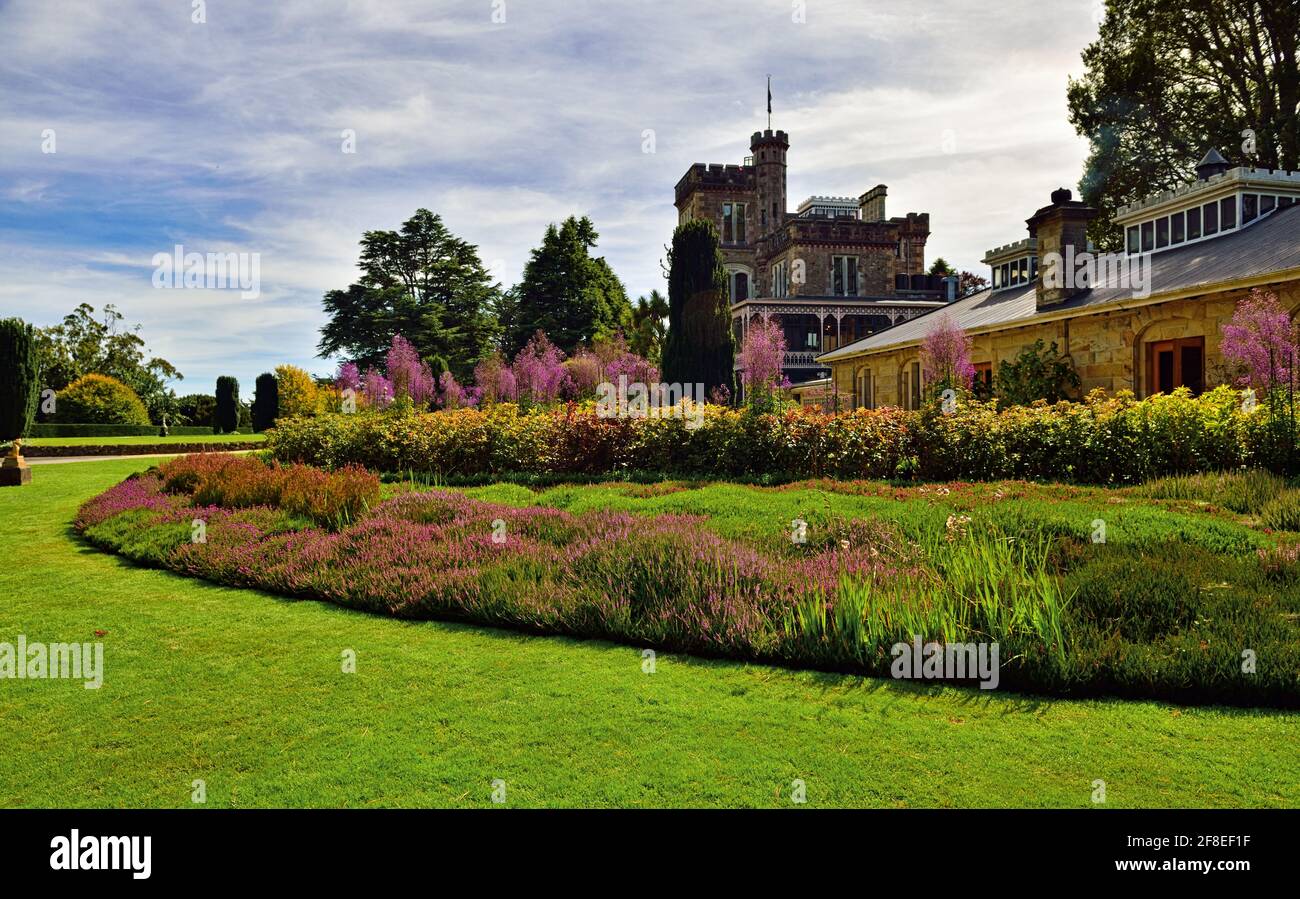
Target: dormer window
1222, 201
1014, 264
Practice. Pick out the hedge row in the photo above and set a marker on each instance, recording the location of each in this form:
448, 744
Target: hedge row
53, 429
34, 451
1104, 440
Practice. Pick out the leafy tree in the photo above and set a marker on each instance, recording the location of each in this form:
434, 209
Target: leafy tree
266, 402
19, 373
970, 283
940, 266
566, 293
699, 347
84, 344
296, 392
1038, 373
196, 409
422, 282
1168, 79
226, 418
100, 400
649, 317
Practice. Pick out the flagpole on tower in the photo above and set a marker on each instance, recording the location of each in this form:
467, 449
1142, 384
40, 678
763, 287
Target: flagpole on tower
769, 102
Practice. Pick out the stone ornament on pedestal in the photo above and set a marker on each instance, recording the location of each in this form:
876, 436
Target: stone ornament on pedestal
14, 471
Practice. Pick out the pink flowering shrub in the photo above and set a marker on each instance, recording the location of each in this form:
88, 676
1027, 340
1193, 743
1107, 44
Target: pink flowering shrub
945, 356
377, 390
411, 378
348, 378
760, 359
1263, 340
495, 381
540, 376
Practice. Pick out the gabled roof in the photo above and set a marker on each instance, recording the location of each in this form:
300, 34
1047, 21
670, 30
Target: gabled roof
1270, 245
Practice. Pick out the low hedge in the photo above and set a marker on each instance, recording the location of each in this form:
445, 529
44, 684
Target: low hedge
57, 429
1103, 440
35, 451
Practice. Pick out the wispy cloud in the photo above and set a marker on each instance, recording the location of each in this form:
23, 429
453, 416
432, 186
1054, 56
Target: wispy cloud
228, 135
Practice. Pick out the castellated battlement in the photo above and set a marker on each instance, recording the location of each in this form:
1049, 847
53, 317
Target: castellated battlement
769, 136
715, 176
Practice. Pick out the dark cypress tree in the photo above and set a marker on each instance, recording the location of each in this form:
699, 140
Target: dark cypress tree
226, 418
266, 401
19, 373
699, 347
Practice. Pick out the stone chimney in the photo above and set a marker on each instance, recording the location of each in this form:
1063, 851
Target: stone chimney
1061, 229
871, 205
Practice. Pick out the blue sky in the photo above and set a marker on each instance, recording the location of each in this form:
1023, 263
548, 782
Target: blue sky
226, 136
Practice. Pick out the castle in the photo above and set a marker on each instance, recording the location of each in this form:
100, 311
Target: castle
835, 271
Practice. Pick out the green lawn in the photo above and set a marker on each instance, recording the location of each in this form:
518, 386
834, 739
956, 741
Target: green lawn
244, 690
128, 441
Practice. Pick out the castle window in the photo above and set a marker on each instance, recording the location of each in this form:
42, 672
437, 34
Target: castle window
1283, 202
997, 277
733, 222
1266, 204
1024, 270
1148, 236
1211, 211
1177, 228
1162, 233
1194, 223
780, 282
1228, 213
982, 385
1133, 245
844, 275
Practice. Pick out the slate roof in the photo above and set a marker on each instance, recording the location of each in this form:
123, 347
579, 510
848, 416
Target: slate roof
1269, 245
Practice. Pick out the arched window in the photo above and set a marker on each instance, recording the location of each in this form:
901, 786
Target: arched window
739, 287
866, 395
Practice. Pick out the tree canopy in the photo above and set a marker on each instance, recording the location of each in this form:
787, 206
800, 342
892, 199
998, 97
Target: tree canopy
573, 297
86, 344
422, 282
649, 326
1166, 80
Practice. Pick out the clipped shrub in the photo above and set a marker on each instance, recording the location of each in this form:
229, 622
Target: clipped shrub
225, 418
266, 402
99, 399
19, 374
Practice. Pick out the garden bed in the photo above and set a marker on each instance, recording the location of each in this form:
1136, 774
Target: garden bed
1187, 599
